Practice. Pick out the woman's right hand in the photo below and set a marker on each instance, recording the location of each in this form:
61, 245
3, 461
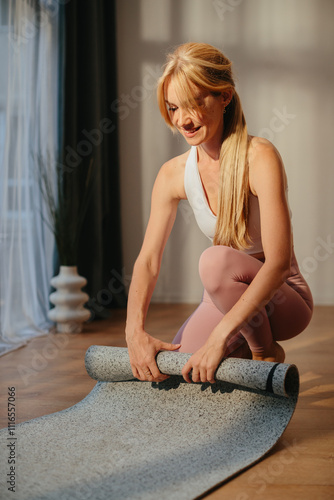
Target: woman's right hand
143, 349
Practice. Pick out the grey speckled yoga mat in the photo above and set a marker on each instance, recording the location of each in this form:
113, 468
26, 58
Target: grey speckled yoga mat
137, 440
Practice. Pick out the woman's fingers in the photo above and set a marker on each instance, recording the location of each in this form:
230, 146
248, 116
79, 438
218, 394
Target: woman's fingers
203, 375
201, 370
156, 373
147, 369
135, 372
210, 375
165, 346
186, 372
144, 373
204, 362
142, 351
150, 370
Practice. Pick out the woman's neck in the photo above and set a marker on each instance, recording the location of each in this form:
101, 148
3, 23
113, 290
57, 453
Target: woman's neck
209, 152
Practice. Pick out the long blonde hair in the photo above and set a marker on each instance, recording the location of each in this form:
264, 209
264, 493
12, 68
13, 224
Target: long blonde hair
206, 67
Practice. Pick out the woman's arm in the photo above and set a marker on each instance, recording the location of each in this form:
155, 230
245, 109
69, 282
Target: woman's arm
143, 348
267, 182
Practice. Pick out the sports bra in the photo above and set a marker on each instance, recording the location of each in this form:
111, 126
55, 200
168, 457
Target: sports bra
204, 216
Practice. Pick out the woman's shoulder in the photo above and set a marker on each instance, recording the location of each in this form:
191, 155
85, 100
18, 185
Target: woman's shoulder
260, 147
264, 159
176, 164
172, 172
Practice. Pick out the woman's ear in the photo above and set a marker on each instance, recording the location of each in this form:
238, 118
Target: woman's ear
227, 97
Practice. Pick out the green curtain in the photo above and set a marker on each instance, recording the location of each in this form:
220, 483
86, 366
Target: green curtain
90, 134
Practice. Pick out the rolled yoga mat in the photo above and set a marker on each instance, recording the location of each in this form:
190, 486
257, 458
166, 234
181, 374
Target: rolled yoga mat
139, 440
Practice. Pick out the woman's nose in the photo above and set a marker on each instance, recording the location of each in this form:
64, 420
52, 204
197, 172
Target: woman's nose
184, 118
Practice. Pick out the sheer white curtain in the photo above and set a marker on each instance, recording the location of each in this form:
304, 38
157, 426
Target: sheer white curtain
28, 127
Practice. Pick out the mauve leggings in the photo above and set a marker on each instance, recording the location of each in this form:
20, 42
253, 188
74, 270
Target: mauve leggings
225, 274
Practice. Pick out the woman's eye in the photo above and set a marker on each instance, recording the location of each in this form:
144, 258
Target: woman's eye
172, 109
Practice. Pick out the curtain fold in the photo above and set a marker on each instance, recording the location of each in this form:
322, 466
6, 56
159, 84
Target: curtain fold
29, 128
91, 134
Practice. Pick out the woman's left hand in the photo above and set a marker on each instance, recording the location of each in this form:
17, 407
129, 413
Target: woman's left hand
204, 362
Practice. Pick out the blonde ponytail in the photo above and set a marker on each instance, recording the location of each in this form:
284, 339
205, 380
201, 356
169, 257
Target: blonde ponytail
232, 216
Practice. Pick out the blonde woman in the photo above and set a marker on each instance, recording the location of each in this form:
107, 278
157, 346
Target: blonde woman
254, 294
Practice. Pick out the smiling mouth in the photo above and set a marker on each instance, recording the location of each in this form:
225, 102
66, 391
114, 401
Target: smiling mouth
190, 131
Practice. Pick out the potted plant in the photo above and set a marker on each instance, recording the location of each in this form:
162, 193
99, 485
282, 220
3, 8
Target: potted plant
65, 216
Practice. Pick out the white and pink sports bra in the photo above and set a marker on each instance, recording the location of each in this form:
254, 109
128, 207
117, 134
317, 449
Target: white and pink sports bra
204, 216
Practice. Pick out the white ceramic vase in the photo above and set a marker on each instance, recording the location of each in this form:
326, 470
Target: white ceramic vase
69, 313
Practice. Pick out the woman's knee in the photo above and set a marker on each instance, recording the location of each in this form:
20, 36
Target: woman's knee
214, 264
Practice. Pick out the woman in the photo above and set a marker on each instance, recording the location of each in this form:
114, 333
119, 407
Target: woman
254, 294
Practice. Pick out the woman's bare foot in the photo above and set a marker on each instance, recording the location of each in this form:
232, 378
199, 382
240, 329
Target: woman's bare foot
274, 353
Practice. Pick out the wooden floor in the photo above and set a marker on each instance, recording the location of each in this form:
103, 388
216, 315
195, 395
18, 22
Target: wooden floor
49, 375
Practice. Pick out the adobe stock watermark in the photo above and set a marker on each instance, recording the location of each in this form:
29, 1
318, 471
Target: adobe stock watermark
266, 474
199, 201
39, 360
122, 106
321, 253
278, 123
199, 204
223, 7
29, 27
117, 284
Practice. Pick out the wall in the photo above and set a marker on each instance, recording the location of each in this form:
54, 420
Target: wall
282, 52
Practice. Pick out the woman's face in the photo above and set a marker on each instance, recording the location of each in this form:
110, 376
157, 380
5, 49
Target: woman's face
197, 126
